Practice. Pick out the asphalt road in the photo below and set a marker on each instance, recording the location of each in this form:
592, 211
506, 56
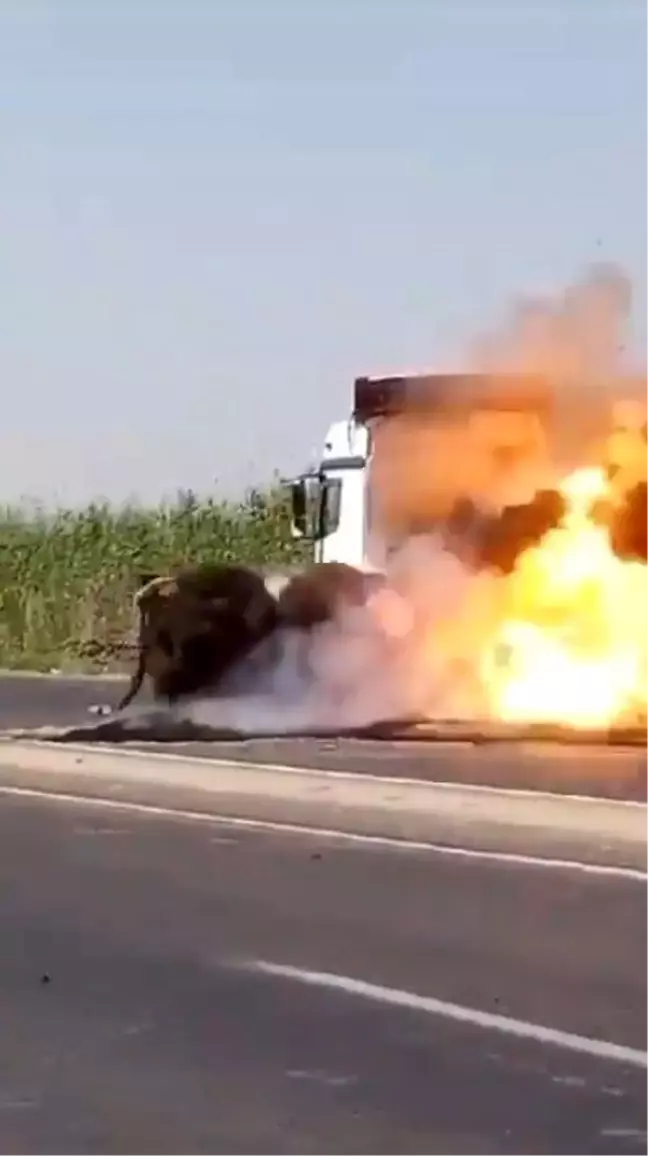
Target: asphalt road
608, 772
131, 1022
34, 700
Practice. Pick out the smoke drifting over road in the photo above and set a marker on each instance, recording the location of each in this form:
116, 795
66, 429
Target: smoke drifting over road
405, 655
401, 656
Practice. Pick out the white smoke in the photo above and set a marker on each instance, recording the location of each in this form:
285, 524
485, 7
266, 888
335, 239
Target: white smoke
408, 654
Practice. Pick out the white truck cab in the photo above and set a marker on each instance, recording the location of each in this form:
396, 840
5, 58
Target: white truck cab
510, 414
331, 506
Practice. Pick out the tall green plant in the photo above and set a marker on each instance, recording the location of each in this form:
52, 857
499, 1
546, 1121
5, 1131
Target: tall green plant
67, 578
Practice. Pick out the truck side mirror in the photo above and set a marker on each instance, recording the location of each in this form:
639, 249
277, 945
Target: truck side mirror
309, 506
298, 503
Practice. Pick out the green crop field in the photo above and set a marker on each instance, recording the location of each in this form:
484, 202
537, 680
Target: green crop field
67, 578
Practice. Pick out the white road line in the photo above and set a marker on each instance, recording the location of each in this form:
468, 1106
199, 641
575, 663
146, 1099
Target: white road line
601, 1049
60, 676
326, 773
156, 811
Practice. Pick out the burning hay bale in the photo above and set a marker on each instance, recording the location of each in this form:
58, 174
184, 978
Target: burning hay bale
321, 592
200, 627
195, 625
319, 597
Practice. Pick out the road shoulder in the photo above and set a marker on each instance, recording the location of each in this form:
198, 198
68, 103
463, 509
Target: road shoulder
597, 832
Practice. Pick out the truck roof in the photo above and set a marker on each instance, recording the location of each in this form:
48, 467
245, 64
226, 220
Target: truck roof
345, 441
434, 392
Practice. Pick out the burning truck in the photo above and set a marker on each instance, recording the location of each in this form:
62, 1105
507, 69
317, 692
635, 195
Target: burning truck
538, 487
479, 549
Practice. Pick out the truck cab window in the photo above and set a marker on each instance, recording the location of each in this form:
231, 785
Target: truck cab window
331, 505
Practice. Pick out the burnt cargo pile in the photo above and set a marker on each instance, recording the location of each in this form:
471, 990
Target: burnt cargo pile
199, 624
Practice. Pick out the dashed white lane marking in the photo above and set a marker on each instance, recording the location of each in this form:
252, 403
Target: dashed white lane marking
320, 1077
507, 857
624, 1133
601, 1049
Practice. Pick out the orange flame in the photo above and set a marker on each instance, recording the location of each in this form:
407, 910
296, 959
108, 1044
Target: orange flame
571, 647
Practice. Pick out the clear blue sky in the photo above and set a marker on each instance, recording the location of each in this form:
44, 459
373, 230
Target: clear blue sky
214, 213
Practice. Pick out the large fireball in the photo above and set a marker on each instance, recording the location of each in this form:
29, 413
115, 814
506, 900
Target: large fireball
571, 647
